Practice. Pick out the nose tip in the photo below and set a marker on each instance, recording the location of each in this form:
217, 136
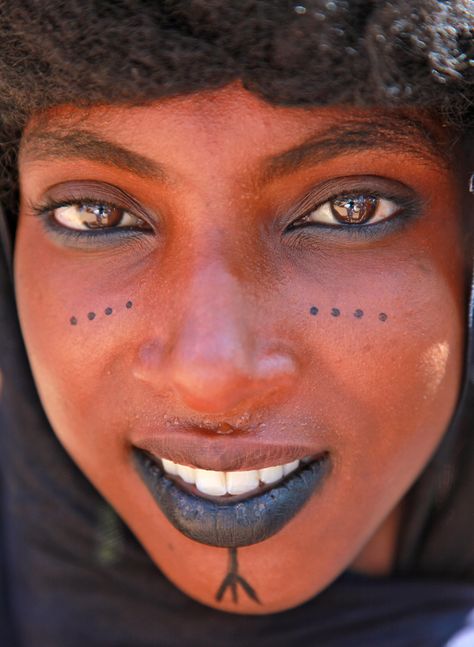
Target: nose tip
219, 388
217, 384
214, 356
206, 390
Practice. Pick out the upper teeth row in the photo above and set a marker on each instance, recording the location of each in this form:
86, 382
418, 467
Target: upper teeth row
220, 483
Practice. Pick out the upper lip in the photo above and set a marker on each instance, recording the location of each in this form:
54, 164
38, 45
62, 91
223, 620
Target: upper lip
203, 449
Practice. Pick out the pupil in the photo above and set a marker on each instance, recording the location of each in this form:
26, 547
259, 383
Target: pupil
354, 209
101, 215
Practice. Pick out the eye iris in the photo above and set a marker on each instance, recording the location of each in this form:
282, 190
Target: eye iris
100, 215
354, 209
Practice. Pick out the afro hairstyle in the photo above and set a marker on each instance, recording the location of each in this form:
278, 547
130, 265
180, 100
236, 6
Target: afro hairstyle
298, 53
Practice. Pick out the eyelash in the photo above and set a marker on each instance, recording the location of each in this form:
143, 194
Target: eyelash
408, 208
45, 211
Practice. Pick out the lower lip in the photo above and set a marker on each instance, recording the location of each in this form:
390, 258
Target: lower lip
231, 525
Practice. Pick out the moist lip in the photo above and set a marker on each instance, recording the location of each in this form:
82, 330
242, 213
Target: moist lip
231, 524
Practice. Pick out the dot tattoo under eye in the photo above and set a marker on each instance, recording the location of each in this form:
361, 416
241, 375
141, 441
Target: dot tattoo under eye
358, 313
92, 315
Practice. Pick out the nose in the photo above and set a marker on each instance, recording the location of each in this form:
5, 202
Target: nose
214, 356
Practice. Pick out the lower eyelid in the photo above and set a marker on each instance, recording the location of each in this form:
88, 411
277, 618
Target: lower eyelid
93, 239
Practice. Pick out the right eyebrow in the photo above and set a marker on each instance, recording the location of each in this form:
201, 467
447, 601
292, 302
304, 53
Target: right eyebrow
85, 144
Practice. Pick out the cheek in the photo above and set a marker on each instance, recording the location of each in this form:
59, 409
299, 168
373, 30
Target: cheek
383, 388
79, 329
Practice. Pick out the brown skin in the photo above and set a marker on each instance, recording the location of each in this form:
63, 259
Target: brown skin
220, 327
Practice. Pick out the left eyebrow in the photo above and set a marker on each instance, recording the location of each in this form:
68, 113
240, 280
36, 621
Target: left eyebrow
390, 133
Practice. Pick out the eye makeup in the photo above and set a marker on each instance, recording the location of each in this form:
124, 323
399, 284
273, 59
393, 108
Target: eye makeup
91, 194
410, 205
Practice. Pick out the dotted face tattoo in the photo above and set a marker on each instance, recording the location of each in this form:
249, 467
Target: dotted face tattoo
336, 312
74, 320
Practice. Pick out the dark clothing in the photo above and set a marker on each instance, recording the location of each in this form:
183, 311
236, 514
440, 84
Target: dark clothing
74, 576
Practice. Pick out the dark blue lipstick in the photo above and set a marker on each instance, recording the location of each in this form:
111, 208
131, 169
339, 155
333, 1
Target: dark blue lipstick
234, 521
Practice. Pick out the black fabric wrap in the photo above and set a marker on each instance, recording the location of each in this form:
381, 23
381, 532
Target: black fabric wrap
72, 573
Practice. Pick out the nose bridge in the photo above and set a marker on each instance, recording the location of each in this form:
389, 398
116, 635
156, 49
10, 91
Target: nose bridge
215, 314
216, 357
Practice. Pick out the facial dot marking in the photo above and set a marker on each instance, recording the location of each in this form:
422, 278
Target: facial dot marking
91, 315
129, 304
314, 310
73, 321
335, 312
383, 316
108, 311
358, 313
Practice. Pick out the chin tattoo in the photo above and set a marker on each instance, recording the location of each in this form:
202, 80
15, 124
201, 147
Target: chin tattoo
234, 582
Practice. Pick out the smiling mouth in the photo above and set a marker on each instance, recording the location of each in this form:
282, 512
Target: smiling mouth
235, 508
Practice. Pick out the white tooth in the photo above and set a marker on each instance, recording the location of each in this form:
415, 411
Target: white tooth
271, 474
210, 482
290, 467
241, 482
169, 466
188, 474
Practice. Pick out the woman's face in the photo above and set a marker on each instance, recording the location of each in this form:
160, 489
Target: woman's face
234, 286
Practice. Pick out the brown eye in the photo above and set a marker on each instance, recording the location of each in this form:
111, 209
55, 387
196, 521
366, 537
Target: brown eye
354, 209
100, 215
81, 216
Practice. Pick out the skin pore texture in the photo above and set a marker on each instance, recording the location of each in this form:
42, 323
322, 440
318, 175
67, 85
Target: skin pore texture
258, 334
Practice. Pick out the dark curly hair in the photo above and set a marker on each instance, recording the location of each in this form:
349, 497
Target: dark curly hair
301, 52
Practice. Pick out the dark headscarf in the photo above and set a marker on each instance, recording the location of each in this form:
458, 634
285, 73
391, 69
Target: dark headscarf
72, 573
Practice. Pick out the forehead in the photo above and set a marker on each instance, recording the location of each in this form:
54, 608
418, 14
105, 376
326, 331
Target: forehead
231, 128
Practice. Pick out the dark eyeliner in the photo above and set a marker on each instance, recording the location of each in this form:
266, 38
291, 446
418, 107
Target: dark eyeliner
44, 211
409, 208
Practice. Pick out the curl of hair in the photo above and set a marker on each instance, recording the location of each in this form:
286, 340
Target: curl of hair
301, 52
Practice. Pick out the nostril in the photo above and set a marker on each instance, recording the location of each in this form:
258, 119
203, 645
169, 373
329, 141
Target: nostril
224, 428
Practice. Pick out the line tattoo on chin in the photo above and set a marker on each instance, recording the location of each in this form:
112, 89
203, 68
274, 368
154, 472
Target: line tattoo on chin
233, 581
